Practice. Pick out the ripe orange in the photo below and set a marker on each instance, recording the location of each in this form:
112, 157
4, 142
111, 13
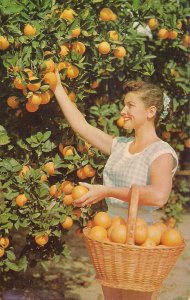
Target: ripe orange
51, 79
43, 178
67, 187
94, 84
120, 122
29, 30
149, 243
72, 72
119, 234
34, 84
119, 52
68, 151
67, 200
67, 14
186, 39
13, 102
41, 240
68, 223
29, 72
4, 43
50, 168
118, 221
4, 242
2, 252
106, 14
35, 99
163, 33
187, 143
102, 219
21, 200
153, 23
154, 233
89, 171
98, 233
64, 50
45, 98
171, 238
166, 135
78, 47
76, 32
172, 35
31, 107
18, 84
53, 190
23, 171
78, 191
104, 48
49, 65
81, 174
72, 96
113, 35
141, 231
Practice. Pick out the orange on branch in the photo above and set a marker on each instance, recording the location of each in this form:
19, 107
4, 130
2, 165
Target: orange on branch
78, 47
23, 171
21, 200
68, 223
4, 242
81, 174
34, 84
67, 14
18, 84
64, 50
153, 23
4, 43
42, 239
89, 171
163, 33
13, 102
76, 32
67, 200
35, 99
31, 107
68, 151
72, 72
67, 187
104, 48
172, 35
113, 35
29, 30
49, 65
2, 252
79, 191
119, 52
50, 168
45, 98
51, 79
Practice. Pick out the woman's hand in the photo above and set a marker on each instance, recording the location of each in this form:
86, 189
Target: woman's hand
95, 194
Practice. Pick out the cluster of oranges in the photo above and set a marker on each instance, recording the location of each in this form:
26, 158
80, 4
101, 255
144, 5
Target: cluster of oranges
4, 243
106, 229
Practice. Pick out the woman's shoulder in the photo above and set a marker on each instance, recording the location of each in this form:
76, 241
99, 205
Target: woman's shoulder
120, 141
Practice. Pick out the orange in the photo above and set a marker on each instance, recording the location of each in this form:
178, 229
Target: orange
68, 223
13, 102
67, 187
119, 234
29, 72
117, 221
72, 96
141, 231
98, 233
79, 191
29, 30
94, 84
24, 91
2, 252
50, 168
78, 47
163, 33
166, 135
186, 39
154, 233
153, 23
106, 14
68, 151
53, 190
187, 143
102, 219
113, 35
4, 43
35, 99
63, 65
21, 200
104, 48
34, 84
18, 84
67, 14
31, 107
172, 35
45, 98
23, 171
89, 171
81, 174
4, 242
67, 200
149, 243
120, 122
161, 226
43, 178
49, 65
72, 72
41, 239
76, 32
64, 50
171, 238
51, 79
119, 52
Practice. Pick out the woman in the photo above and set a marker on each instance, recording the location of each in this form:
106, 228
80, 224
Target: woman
144, 160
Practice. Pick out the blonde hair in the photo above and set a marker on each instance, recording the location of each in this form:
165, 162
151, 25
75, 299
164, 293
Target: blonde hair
151, 94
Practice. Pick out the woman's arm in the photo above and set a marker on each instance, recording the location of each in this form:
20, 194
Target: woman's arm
155, 194
75, 118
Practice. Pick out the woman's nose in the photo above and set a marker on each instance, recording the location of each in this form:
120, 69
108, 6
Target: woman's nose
123, 111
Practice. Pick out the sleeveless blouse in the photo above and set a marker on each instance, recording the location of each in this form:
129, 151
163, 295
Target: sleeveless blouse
123, 169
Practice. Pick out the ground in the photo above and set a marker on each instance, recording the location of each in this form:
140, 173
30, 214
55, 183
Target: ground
74, 278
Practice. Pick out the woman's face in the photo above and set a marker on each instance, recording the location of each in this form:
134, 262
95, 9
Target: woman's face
134, 112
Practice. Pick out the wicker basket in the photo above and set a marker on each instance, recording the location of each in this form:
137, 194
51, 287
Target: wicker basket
128, 266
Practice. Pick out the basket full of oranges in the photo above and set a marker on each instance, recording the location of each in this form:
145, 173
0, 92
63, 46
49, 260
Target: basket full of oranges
132, 254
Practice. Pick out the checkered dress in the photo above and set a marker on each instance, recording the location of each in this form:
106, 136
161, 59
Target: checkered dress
124, 169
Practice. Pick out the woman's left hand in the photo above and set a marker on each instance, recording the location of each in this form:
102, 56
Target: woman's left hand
95, 194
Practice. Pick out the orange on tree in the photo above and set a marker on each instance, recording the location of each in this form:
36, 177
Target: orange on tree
81, 174
62, 65
68, 151
21, 200
76, 32
106, 14
64, 50
89, 171
78, 47
43, 178
154, 233
118, 234
171, 238
49, 65
187, 143
94, 84
41, 239
67, 14
31, 107
67, 187
72, 72
119, 52
23, 171
34, 84
98, 233
163, 33
113, 35
153, 23
4, 242
53, 190
68, 223
72, 96
104, 47
18, 83
67, 200
29, 30
102, 219
120, 122
4, 43
186, 39
166, 135
29, 72
172, 34
2, 252
49, 167
79, 191
35, 99
45, 98
51, 79
13, 102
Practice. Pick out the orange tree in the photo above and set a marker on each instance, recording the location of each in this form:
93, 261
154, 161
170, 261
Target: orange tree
96, 45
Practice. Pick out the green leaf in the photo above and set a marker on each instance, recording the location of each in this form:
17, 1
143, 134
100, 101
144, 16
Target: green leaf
12, 266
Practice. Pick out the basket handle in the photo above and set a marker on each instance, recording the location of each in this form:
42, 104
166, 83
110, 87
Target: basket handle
132, 214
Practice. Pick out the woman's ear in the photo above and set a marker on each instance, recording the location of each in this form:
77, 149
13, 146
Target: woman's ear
151, 112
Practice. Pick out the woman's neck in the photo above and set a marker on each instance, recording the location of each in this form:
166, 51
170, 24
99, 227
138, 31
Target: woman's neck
145, 136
